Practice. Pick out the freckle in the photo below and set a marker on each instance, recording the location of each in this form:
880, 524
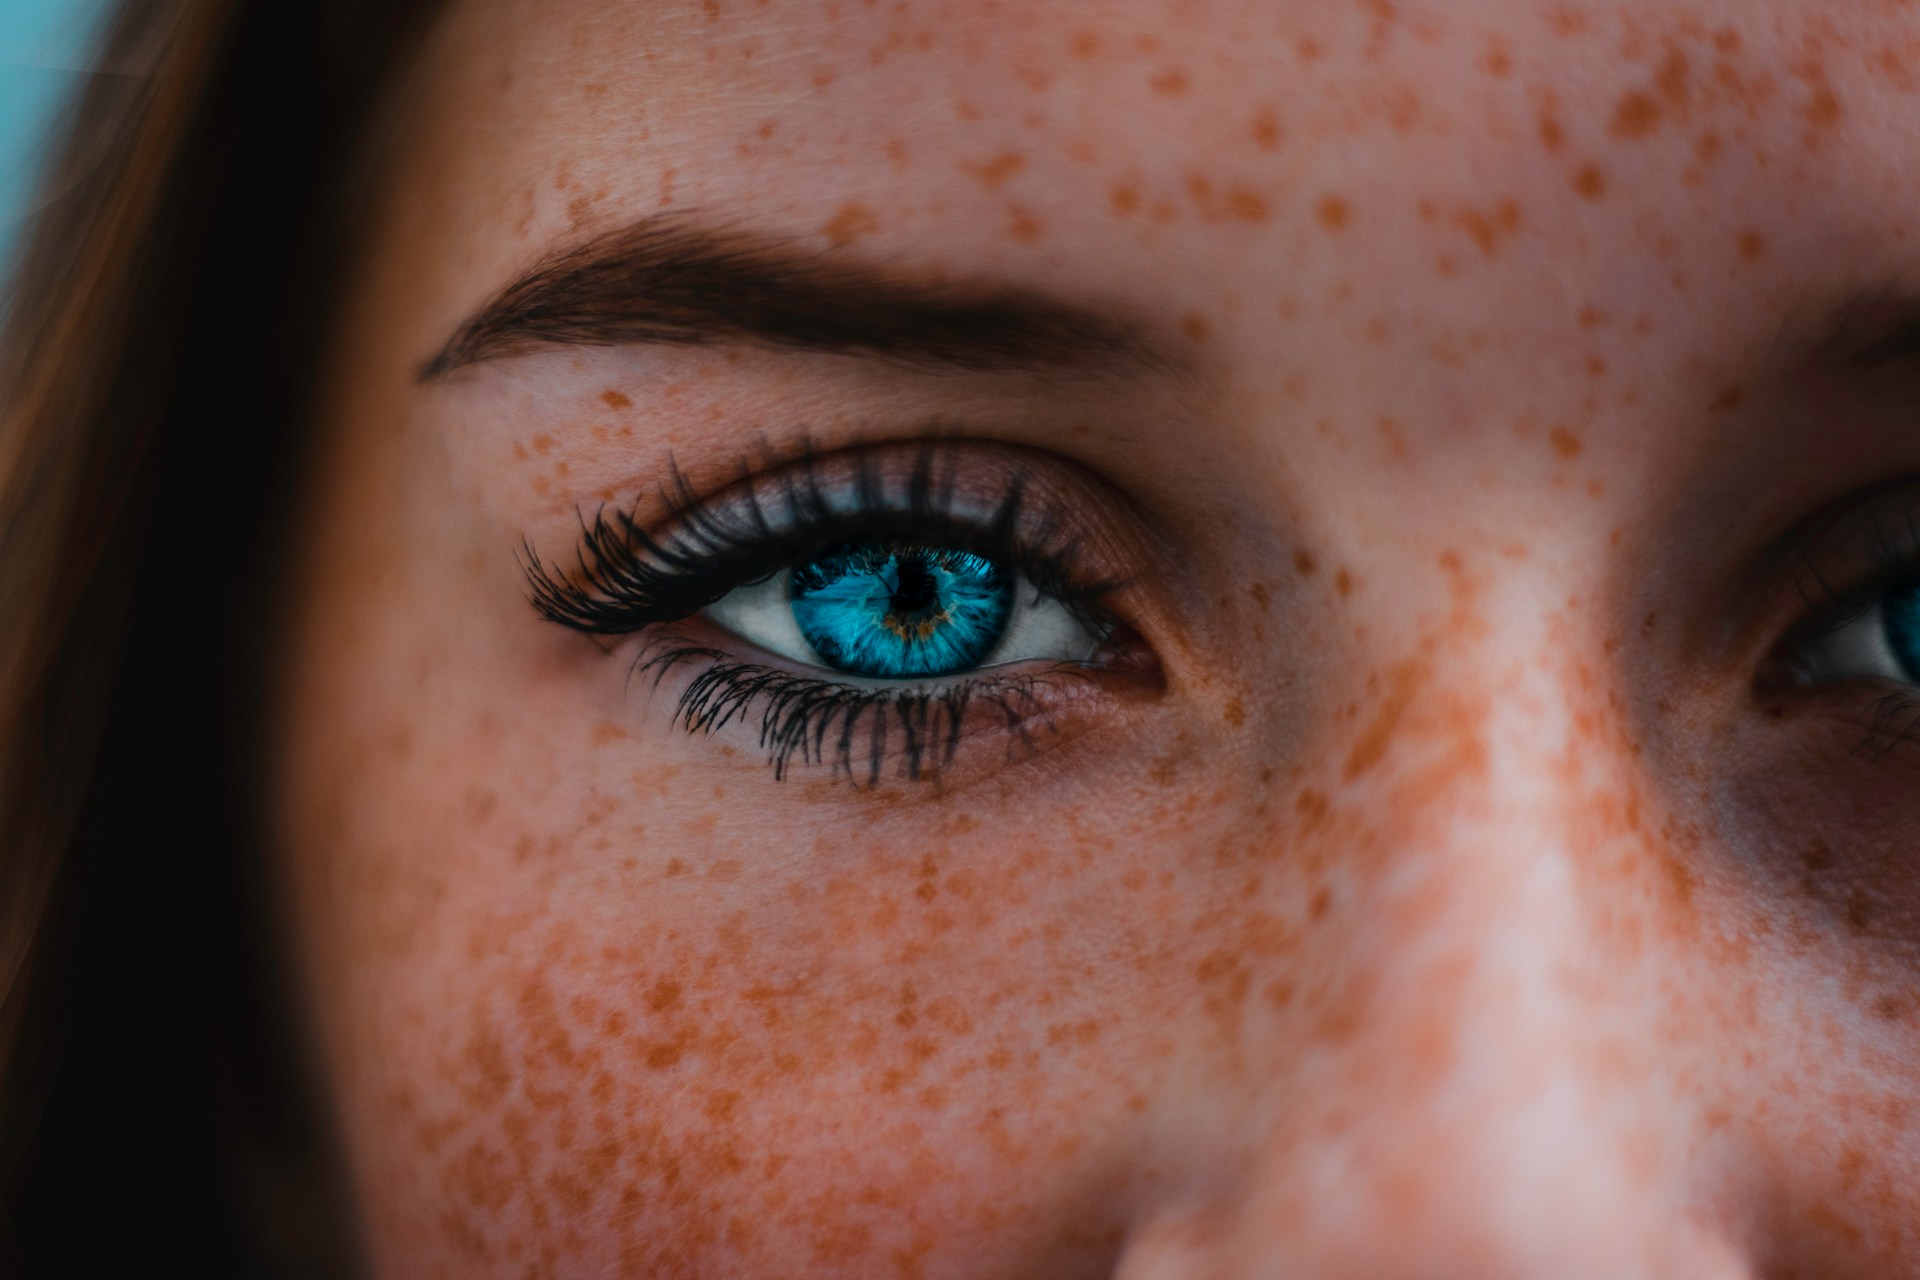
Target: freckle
1596, 367
1390, 432
1172, 83
1446, 265
1635, 116
1551, 134
897, 154
543, 445
1823, 109
1752, 246
1236, 715
1084, 43
1195, 326
675, 867
1567, 23
1265, 129
1333, 213
1497, 62
966, 110
1304, 564
663, 995
1343, 583
1124, 200
993, 174
1259, 593
823, 80
1727, 40
1307, 49
1022, 225
765, 130
1565, 443
1478, 226
1728, 400
1247, 206
1590, 182
1673, 79
851, 222
615, 400
1859, 913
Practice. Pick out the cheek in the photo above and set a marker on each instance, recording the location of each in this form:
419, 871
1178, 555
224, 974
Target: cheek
692, 1053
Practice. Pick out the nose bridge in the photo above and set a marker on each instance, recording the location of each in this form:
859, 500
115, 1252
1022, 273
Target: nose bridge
1484, 1095
1479, 929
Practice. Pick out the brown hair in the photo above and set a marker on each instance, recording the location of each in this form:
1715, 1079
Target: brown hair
164, 309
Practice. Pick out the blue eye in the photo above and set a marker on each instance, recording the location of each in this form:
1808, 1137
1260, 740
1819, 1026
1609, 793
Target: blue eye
903, 610
899, 611
1902, 610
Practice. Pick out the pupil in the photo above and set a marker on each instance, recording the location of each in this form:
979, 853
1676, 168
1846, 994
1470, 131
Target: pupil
915, 589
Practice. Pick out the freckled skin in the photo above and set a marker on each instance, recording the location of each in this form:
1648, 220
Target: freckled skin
1445, 914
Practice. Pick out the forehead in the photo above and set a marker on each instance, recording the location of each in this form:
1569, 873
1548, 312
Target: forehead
1464, 188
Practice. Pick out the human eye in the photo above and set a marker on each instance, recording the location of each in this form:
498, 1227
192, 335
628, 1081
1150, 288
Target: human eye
1877, 640
858, 610
1859, 574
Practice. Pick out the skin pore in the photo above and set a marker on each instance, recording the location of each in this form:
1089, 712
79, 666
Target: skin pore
1445, 881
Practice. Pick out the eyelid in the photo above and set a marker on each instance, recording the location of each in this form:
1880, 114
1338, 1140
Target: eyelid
1020, 505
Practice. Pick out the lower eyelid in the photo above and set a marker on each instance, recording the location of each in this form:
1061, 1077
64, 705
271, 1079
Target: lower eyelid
868, 731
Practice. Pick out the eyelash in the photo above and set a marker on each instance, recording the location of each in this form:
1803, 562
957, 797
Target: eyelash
628, 580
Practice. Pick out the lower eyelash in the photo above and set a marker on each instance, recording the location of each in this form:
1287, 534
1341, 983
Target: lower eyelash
824, 722
1895, 722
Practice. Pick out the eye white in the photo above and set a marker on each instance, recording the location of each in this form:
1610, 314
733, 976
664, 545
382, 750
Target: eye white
1039, 627
1857, 649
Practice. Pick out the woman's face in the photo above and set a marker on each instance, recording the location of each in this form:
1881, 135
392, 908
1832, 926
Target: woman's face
1174, 638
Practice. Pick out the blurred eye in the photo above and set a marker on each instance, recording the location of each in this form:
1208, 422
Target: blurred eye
902, 610
1880, 641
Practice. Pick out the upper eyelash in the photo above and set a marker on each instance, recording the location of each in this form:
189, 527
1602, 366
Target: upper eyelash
627, 578
1890, 540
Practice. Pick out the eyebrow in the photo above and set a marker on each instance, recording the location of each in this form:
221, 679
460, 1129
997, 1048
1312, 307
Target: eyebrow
672, 281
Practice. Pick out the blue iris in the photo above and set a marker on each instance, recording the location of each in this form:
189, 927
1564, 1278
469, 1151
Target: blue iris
901, 610
1902, 612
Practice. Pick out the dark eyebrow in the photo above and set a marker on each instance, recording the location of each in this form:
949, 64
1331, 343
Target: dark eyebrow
669, 280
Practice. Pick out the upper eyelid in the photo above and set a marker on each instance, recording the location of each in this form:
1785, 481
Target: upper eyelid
622, 566
1842, 562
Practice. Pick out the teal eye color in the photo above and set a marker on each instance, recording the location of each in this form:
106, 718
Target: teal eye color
901, 610
1902, 614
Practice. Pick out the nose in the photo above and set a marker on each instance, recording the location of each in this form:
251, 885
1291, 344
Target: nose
1499, 1087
